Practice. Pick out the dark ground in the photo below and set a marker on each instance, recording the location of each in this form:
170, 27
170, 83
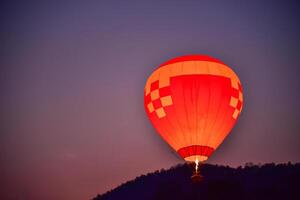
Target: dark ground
268, 181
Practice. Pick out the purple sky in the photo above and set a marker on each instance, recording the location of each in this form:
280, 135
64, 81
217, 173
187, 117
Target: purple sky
72, 78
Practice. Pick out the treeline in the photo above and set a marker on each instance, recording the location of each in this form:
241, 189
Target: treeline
268, 181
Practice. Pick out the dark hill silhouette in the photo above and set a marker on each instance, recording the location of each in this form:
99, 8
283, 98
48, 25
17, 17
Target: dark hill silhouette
268, 181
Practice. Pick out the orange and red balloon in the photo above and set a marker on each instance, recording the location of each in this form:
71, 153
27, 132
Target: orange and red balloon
193, 102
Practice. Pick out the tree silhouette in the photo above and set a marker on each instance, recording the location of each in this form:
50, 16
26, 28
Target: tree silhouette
267, 181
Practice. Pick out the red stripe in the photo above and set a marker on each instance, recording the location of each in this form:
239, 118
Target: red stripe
147, 99
195, 150
239, 105
235, 93
154, 86
240, 87
157, 103
192, 58
165, 91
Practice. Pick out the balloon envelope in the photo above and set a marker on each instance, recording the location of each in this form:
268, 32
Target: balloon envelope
193, 102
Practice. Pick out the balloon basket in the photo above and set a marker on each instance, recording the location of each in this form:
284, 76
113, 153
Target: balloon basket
197, 177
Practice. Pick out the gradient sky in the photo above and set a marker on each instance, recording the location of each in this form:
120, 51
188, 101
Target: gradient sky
72, 77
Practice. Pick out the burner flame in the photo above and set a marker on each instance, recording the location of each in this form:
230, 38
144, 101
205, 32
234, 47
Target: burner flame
197, 164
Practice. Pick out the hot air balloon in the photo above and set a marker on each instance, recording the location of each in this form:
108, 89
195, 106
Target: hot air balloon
193, 102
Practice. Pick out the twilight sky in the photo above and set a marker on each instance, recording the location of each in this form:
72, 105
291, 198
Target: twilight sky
72, 77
